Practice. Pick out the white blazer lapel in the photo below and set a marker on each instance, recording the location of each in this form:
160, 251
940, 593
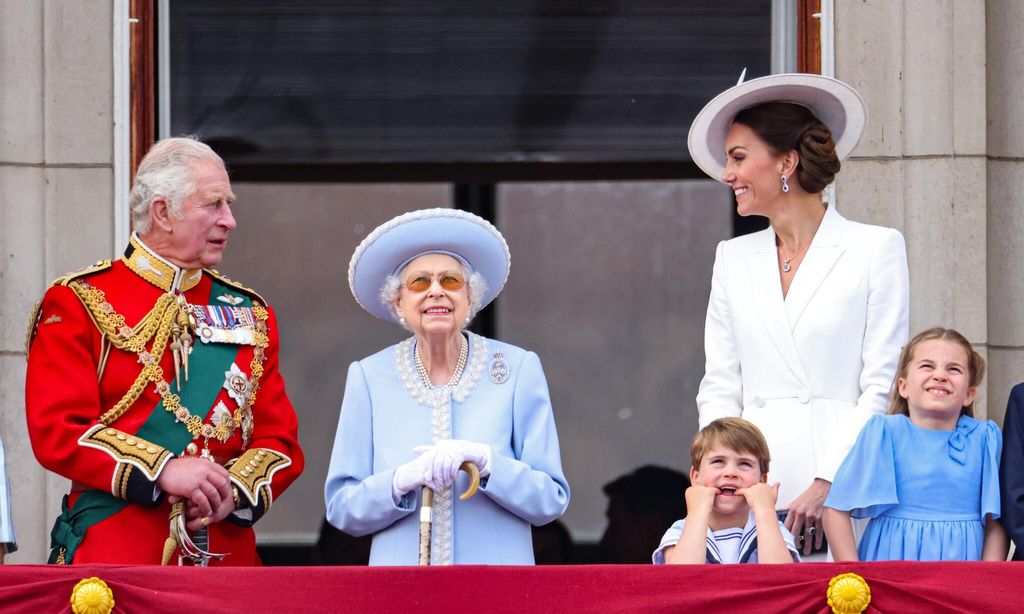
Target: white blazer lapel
767, 292
822, 255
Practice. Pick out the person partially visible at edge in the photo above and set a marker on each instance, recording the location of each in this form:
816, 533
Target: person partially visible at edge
8, 538
806, 318
415, 411
730, 506
153, 384
1011, 471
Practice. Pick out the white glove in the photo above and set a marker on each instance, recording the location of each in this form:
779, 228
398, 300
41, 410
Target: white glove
418, 472
460, 450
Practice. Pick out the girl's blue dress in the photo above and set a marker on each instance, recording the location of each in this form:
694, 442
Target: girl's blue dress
926, 492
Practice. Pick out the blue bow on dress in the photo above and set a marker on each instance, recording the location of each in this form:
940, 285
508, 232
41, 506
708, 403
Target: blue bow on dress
958, 438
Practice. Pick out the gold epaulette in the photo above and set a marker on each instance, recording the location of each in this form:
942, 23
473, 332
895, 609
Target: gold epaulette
33, 320
102, 265
237, 286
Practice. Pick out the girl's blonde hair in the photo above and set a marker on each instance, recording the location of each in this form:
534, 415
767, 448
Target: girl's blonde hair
975, 367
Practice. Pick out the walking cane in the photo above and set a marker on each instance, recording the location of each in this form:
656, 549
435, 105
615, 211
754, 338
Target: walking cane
427, 504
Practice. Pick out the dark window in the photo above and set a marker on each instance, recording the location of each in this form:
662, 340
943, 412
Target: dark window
448, 82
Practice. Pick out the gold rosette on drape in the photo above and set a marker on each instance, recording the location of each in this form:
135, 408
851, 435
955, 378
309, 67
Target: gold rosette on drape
92, 596
848, 593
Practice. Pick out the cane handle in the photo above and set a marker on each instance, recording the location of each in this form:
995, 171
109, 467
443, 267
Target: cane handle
474, 479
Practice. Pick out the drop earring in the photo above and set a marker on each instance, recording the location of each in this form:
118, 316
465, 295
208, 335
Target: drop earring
785, 184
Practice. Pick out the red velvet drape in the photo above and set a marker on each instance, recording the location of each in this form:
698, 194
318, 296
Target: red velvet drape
895, 587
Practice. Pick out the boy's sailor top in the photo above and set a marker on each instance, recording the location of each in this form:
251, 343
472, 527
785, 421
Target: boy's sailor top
731, 545
135, 362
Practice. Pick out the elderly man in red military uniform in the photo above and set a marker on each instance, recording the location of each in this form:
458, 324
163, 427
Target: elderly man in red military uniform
153, 384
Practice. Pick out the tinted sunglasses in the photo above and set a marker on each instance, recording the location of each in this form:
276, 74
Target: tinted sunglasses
449, 280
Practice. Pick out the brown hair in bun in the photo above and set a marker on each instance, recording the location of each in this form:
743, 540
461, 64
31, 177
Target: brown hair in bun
785, 126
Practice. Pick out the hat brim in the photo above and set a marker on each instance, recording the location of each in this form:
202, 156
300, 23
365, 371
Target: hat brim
835, 103
396, 242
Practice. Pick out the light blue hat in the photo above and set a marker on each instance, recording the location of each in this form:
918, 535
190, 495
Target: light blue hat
467, 237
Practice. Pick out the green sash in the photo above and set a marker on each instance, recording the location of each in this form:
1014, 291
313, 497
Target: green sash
207, 365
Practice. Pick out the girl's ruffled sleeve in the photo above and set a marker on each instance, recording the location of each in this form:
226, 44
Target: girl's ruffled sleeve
990, 470
865, 484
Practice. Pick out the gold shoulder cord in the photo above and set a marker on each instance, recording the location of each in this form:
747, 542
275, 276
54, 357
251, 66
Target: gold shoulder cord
160, 324
156, 325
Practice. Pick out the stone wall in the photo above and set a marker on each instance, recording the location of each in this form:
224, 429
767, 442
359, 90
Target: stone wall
921, 166
1005, 185
56, 202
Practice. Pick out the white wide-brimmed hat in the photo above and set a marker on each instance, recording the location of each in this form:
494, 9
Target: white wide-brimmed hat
469, 238
835, 103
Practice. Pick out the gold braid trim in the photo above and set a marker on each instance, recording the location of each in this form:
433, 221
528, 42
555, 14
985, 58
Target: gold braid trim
154, 325
126, 449
253, 471
122, 475
33, 326
101, 265
243, 415
159, 325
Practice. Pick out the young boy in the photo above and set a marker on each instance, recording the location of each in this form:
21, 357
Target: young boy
730, 507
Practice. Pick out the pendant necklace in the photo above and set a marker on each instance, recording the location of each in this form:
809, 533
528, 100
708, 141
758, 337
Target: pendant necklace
786, 268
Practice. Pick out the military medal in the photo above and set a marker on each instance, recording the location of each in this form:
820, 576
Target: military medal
230, 299
238, 385
220, 412
247, 426
225, 324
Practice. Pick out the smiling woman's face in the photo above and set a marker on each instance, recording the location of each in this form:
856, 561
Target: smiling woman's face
753, 171
437, 310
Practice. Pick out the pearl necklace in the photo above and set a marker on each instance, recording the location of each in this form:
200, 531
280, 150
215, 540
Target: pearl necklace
460, 366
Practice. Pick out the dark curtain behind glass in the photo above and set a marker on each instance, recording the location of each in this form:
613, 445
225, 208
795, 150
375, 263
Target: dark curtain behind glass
288, 82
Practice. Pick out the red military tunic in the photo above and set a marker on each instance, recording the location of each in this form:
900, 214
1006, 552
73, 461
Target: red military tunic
78, 374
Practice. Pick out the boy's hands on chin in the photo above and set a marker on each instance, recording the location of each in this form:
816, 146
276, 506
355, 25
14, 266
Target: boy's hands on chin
700, 499
761, 497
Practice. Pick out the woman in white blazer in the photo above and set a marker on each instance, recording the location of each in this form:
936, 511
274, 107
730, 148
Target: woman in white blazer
806, 318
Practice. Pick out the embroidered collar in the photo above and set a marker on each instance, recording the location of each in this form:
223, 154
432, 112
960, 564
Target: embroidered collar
148, 265
433, 395
965, 425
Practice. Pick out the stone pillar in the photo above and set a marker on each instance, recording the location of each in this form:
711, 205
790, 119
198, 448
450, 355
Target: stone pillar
56, 203
921, 166
1005, 181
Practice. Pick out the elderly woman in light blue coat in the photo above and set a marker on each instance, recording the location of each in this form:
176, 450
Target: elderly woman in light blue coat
415, 411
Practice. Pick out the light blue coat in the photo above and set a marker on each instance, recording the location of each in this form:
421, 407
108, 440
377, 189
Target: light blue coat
381, 423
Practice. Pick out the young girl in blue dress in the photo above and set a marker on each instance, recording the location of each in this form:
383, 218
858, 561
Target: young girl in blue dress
926, 474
